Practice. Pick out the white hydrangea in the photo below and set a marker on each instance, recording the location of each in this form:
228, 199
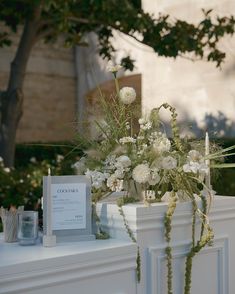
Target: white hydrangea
161, 143
127, 95
123, 161
97, 178
141, 173
169, 162
115, 184
125, 140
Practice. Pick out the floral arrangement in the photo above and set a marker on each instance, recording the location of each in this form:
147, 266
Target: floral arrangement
134, 155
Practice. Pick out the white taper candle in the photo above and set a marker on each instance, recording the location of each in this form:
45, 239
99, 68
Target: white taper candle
49, 204
207, 152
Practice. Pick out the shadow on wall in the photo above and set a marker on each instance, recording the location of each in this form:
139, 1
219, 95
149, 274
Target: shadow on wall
218, 126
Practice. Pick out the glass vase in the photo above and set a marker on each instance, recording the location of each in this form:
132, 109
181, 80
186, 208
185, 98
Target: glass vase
27, 227
10, 223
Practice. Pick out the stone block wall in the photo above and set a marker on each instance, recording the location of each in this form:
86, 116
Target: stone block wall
49, 111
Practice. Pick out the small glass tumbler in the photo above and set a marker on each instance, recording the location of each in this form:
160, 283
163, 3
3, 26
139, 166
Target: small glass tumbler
27, 227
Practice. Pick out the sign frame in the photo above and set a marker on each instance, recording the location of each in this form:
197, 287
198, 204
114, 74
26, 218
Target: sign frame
70, 235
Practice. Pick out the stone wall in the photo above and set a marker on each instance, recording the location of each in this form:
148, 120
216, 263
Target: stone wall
50, 92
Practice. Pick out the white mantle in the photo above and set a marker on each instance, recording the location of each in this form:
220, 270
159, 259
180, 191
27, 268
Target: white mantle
104, 266
213, 267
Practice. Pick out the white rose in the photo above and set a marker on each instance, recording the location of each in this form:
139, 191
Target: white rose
141, 173
169, 162
127, 95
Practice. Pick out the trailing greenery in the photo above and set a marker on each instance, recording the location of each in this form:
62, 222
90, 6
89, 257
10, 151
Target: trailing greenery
122, 201
168, 250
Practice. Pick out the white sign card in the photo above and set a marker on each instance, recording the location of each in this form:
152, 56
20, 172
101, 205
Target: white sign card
71, 207
68, 206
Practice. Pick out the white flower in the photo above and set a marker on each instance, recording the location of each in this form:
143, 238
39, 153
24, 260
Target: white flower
141, 121
97, 178
33, 159
195, 163
154, 177
125, 140
141, 173
6, 169
127, 95
59, 158
123, 161
80, 166
161, 144
113, 68
194, 167
194, 155
119, 173
1, 159
110, 161
169, 162
144, 124
128, 125
114, 183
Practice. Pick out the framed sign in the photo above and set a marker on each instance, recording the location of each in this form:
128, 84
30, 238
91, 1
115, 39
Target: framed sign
70, 208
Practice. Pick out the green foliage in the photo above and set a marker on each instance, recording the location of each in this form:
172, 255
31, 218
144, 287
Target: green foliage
223, 182
22, 185
75, 18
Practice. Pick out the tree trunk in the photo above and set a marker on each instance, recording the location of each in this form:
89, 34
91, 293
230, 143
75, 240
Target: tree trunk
11, 101
11, 111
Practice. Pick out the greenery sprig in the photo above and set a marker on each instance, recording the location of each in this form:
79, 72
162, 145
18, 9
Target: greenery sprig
168, 250
121, 202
